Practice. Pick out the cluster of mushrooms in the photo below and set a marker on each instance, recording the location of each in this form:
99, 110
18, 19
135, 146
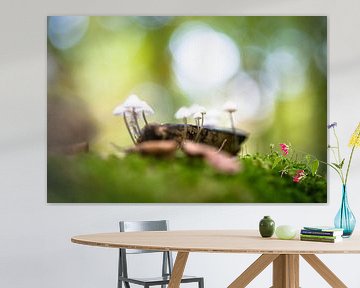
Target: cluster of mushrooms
133, 109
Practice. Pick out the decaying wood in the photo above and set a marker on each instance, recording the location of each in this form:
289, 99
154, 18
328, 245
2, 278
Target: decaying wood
211, 136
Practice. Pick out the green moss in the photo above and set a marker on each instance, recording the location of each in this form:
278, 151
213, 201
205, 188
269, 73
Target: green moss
88, 178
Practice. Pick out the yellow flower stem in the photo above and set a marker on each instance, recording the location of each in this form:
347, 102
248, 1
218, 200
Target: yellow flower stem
348, 167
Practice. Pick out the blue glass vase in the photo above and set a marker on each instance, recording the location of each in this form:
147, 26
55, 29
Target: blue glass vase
345, 219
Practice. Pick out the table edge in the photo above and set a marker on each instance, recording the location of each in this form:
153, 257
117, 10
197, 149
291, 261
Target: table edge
204, 250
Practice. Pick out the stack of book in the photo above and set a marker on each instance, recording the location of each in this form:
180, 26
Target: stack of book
321, 234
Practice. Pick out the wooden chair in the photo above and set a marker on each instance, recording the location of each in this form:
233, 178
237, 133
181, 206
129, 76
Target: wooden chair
167, 262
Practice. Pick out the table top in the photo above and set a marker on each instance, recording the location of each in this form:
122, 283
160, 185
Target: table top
216, 241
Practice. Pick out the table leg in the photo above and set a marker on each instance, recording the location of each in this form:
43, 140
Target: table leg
253, 270
324, 271
286, 271
178, 269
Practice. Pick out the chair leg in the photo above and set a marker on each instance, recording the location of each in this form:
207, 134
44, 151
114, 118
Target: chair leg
201, 283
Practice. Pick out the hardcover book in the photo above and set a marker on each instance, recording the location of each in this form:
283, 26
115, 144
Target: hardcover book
323, 228
314, 239
321, 233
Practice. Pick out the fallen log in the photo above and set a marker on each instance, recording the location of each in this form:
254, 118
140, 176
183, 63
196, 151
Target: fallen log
222, 139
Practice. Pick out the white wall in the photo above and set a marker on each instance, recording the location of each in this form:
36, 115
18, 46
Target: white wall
35, 248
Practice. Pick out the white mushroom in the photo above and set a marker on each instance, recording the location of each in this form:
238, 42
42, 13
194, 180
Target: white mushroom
197, 116
183, 113
132, 102
230, 106
133, 106
195, 108
145, 110
119, 110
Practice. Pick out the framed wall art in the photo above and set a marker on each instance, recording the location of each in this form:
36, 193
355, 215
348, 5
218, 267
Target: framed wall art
184, 109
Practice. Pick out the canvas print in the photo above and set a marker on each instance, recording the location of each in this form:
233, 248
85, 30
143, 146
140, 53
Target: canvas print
180, 109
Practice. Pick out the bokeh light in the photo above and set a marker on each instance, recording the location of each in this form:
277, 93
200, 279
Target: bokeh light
152, 22
288, 72
66, 31
245, 91
203, 59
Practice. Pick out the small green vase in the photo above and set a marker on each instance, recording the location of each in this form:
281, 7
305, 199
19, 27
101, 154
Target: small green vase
267, 227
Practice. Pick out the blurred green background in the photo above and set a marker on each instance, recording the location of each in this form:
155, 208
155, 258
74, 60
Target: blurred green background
274, 68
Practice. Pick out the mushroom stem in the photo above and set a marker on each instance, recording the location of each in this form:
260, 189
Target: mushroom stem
144, 117
198, 134
200, 127
128, 128
185, 128
197, 122
233, 128
136, 121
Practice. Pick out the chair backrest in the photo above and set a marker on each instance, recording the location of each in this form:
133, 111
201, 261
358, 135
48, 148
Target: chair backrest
133, 226
137, 226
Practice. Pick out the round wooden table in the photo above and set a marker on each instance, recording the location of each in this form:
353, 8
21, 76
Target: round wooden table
284, 254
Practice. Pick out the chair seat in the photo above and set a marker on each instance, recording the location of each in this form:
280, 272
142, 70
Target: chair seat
158, 280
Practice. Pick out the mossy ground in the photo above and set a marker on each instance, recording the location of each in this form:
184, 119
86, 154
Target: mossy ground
88, 178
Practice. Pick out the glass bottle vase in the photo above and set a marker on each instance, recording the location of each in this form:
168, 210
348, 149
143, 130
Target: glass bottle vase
345, 219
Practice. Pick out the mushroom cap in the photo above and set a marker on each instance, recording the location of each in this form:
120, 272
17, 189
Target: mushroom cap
230, 106
195, 108
183, 112
133, 101
145, 108
197, 115
120, 110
